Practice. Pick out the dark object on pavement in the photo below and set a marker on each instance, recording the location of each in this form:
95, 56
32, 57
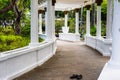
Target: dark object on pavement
76, 76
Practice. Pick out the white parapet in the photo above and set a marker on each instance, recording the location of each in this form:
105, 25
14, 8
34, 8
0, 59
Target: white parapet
100, 44
43, 36
69, 36
17, 62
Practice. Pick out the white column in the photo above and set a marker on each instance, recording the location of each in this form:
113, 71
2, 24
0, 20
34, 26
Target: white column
34, 23
109, 20
53, 20
66, 20
49, 22
111, 70
98, 22
77, 23
115, 59
81, 14
45, 22
40, 23
88, 23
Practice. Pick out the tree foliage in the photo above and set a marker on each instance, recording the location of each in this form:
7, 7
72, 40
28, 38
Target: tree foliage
13, 10
104, 9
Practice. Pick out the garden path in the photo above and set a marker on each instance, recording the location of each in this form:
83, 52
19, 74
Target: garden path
71, 58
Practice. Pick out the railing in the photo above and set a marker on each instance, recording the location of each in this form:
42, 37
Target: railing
17, 62
100, 44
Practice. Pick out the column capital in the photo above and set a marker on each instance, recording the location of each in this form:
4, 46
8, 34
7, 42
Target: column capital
40, 11
65, 12
99, 2
88, 7
77, 10
53, 2
77, 21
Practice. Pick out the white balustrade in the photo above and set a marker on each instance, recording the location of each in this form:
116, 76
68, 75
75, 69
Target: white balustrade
100, 44
17, 62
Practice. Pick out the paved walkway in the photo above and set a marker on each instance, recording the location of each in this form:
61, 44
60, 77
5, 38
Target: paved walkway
71, 58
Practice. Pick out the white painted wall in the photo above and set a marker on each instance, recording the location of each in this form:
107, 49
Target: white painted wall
100, 44
17, 62
69, 36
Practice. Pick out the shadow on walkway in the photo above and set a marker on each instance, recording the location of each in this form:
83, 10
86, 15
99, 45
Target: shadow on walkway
71, 58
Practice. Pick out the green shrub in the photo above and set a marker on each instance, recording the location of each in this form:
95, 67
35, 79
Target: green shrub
82, 30
7, 31
11, 42
25, 28
25, 31
71, 24
93, 30
1, 28
58, 26
103, 28
41, 40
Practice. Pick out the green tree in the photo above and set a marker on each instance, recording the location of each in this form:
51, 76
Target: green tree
14, 9
104, 10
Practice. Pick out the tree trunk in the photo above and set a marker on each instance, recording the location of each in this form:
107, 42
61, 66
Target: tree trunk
18, 25
93, 15
18, 14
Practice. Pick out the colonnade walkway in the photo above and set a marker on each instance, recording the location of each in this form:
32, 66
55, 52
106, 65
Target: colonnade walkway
71, 58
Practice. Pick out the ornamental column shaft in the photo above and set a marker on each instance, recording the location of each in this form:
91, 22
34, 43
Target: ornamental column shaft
53, 17
49, 29
88, 23
45, 20
99, 2
109, 20
111, 70
98, 21
81, 15
88, 20
34, 23
66, 19
77, 21
40, 23
50, 21
53, 21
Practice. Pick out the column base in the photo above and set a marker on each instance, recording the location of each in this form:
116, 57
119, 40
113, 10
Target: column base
77, 33
40, 33
50, 40
99, 37
110, 73
88, 35
108, 40
34, 44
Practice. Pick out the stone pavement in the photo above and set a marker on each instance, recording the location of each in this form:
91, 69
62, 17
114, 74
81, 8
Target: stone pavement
71, 58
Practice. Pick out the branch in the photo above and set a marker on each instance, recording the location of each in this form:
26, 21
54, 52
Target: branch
9, 7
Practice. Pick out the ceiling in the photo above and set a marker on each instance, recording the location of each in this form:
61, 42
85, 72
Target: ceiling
66, 5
